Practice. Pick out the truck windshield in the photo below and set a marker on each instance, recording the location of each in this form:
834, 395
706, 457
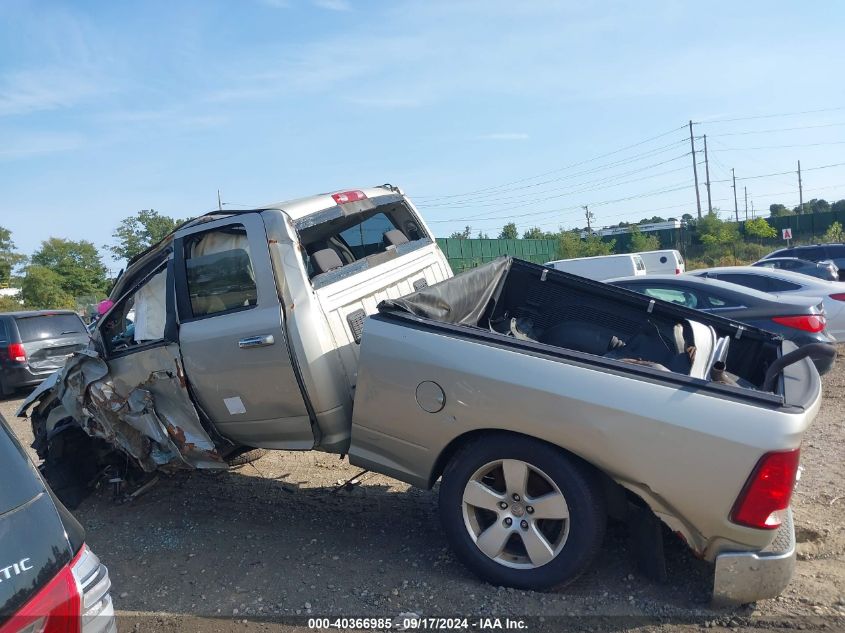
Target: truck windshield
348, 241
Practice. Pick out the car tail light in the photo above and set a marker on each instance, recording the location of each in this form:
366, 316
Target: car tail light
76, 600
677, 271
57, 608
808, 322
17, 353
343, 197
839, 296
767, 491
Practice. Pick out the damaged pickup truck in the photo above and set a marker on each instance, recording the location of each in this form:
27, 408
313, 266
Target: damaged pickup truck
543, 401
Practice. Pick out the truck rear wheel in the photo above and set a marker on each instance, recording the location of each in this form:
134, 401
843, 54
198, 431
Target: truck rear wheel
521, 513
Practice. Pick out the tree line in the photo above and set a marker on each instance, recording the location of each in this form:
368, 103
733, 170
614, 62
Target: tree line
62, 272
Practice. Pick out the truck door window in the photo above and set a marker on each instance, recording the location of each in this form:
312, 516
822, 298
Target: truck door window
138, 319
219, 272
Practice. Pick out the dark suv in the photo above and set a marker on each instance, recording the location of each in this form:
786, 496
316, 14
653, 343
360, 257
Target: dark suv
35, 344
816, 253
49, 579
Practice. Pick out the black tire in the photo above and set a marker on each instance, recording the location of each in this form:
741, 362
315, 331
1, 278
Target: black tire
577, 482
247, 457
70, 467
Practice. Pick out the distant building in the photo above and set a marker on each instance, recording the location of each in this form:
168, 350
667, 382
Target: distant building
669, 225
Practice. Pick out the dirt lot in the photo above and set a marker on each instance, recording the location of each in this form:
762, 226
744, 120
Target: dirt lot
267, 545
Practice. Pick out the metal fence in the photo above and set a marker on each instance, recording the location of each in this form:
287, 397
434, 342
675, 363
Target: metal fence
809, 227
463, 254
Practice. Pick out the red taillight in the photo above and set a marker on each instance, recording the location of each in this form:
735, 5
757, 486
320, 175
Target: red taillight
677, 271
17, 353
57, 608
767, 491
808, 323
348, 196
839, 296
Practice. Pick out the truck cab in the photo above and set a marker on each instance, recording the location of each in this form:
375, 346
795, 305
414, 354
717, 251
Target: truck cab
237, 305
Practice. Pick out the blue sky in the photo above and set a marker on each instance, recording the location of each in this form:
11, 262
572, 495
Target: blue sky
110, 107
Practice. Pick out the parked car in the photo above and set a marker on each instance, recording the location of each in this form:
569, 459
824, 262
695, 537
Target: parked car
786, 283
826, 269
542, 399
815, 253
34, 344
798, 319
665, 262
49, 579
601, 267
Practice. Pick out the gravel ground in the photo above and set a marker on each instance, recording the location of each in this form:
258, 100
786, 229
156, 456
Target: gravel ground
280, 540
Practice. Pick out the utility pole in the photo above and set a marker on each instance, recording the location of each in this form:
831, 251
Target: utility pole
800, 191
736, 204
694, 170
707, 174
589, 217
746, 204
752, 209
219, 201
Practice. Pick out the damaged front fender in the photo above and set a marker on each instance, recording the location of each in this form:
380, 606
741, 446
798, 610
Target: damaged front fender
140, 406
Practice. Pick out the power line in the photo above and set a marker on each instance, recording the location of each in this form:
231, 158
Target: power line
570, 166
473, 200
744, 149
567, 192
783, 129
783, 173
657, 192
769, 116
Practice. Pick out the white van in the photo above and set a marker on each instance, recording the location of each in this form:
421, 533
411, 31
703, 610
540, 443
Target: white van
668, 262
601, 267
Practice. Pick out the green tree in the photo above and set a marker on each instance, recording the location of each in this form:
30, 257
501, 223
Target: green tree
569, 245
42, 289
138, 232
534, 233
819, 205
77, 264
838, 206
482, 236
9, 257
778, 210
652, 220
509, 232
594, 245
462, 235
641, 242
719, 238
760, 228
834, 233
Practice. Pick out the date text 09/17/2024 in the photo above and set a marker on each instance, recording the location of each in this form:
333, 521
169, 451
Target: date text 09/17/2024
413, 623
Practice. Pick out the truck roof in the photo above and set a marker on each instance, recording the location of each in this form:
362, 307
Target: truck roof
300, 207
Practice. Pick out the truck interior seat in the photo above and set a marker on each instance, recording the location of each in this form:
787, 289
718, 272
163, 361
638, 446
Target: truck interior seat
325, 260
394, 238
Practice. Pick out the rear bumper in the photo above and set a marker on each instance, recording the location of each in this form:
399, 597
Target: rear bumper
20, 377
743, 577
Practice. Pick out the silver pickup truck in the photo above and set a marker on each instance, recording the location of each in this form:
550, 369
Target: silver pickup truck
542, 401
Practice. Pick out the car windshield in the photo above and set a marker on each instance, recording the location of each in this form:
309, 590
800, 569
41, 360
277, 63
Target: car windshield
44, 326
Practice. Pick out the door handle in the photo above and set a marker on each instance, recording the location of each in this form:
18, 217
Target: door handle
262, 340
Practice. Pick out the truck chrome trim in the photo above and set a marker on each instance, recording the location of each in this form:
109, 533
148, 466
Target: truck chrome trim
743, 577
262, 340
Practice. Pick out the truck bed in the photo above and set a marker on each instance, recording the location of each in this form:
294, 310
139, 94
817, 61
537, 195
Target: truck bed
437, 366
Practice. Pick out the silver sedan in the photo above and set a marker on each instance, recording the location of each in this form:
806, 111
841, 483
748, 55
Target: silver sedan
786, 283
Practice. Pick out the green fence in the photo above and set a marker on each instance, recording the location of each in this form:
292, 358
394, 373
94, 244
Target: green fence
463, 254
809, 227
